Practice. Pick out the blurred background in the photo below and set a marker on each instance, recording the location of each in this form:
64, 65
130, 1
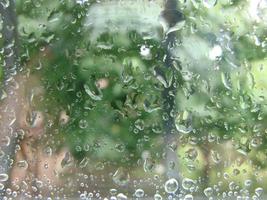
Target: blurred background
144, 99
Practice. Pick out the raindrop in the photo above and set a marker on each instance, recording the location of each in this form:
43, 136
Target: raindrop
191, 154
149, 165
139, 193
226, 80
157, 197
5, 3
121, 177
209, 3
216, 157
22, 164
183, 122
139, 124
145, 52
3, 177
188, 197
188, 183
248, 183
66, 160
259, 191
178, 26
113, 191
208, 192
171, 185
216, 53
121, 196
95, 94
83, 124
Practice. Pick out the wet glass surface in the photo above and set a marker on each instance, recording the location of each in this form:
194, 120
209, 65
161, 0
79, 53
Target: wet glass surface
144, 99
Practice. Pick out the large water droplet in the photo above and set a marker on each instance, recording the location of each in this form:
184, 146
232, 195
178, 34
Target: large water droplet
121, 177
183, 122
139, 124
139, 193
149, 165
216, 53
226, 80
188, 183
93, 92
208, 191
171, 185
259, 191
157, 197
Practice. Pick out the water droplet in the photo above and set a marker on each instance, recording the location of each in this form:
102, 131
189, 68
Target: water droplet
139, 124
145, 52
171, 185
3, 177
66, 160
113, 191
209, 3
95, 93
178, 26
183, 122
121, 177
191, 154
188, 183
208, 192
121, 196
22, 164
216, 157
188, 197
248, 183
157, 197
226, 80
139, 193
149, 165
5, 141
216, 53
83, 124
259, 191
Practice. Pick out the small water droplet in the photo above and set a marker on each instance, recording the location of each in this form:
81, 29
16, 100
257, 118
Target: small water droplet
83, 124
3, 177
209, 3
22, 164
188, 197
121, 196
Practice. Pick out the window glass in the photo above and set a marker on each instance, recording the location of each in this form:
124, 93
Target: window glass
144, 99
